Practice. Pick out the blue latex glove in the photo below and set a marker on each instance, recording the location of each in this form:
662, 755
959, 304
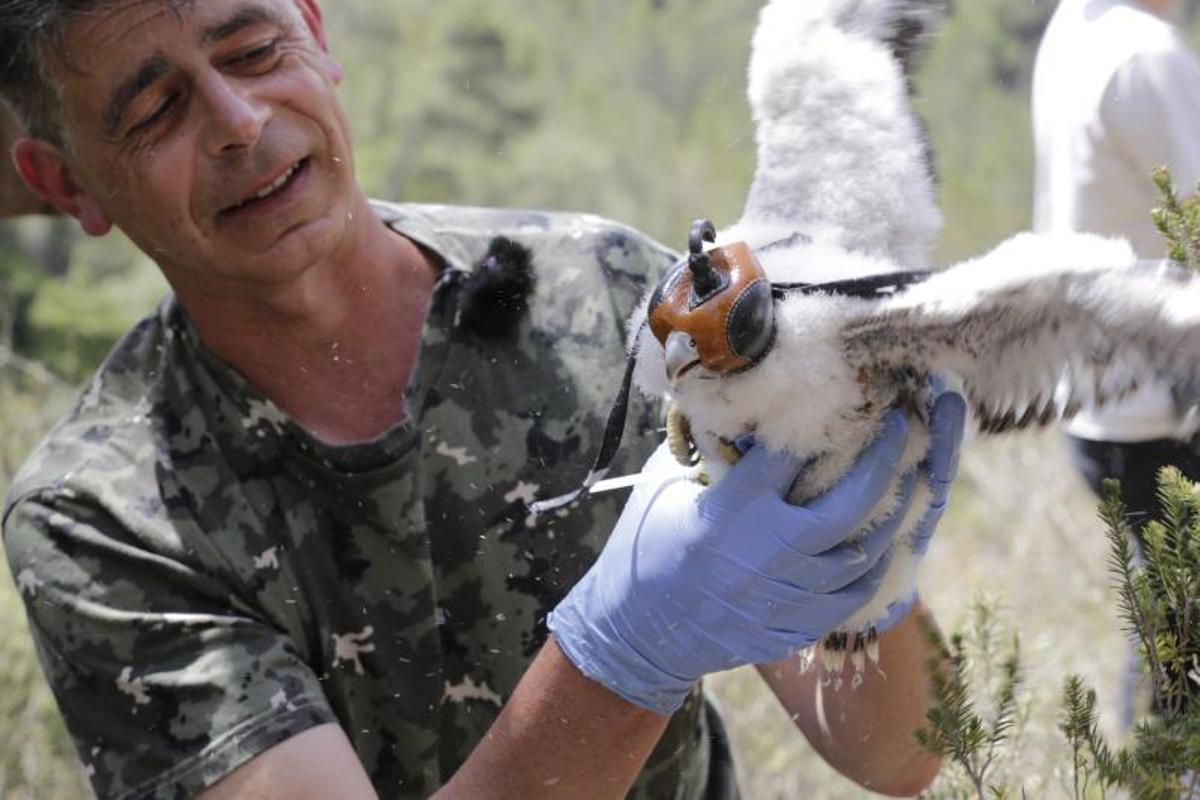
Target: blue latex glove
939, 468
695, 580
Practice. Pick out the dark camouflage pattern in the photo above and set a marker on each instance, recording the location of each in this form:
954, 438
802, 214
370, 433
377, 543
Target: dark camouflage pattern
205, 579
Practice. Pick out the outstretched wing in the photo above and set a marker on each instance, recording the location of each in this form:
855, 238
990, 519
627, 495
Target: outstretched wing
1032, 344
841, 155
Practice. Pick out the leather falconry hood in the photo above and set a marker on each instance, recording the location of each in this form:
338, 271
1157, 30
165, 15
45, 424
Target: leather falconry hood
721, 298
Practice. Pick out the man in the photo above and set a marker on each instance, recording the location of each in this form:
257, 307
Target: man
1116, 93
281, 546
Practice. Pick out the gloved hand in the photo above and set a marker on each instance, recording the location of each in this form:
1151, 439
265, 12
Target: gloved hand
938, 469
695, 580
940, 465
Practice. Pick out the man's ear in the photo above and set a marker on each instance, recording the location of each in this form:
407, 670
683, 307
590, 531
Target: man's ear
42, 166
311, 12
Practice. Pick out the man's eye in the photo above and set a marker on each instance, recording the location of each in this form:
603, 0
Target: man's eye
160, 111
257, 54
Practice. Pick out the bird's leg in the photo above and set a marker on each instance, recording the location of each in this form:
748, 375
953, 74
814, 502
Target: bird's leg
679, 437
682, 444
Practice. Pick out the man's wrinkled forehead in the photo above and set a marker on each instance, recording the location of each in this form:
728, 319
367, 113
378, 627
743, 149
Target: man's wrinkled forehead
128, 28
113, 24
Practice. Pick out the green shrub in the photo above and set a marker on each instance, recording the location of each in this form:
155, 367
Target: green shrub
1159, 605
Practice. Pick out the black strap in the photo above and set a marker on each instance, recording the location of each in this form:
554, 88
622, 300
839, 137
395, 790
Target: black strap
609, 444
867, 287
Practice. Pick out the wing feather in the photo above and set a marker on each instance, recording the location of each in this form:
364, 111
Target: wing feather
1033, 344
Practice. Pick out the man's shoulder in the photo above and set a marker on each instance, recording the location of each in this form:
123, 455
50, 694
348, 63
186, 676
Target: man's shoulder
109, 428
464, 231
590, 272
1096, 38
1111, 33
484, 220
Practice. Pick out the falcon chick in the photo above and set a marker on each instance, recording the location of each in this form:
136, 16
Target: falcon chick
777, 338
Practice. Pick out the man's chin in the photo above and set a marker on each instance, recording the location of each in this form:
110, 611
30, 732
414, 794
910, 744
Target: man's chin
289, 254
304, 233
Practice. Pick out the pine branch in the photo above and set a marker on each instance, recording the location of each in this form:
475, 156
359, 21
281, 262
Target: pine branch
955, 729
1078, 715
1091, 758
1006, 703
1158, 603
1178, 222
1135, 602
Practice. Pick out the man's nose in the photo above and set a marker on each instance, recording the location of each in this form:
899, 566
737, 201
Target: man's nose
236, 116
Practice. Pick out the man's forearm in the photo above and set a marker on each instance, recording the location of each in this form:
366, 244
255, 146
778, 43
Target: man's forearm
866, 732
561, 735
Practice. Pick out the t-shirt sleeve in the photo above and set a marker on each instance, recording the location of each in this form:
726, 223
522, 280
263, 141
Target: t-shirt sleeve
167, 682
1152, 107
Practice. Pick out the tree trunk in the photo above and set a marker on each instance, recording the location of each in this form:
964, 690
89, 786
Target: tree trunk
14, 197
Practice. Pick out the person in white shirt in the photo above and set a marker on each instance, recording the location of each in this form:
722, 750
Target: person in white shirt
1116, 93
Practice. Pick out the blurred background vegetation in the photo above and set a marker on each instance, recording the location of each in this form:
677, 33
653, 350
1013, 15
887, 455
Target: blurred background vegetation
633, 109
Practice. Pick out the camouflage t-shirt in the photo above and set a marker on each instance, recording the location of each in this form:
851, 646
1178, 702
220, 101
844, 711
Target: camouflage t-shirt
205, 579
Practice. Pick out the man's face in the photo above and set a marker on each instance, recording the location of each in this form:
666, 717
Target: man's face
211, 135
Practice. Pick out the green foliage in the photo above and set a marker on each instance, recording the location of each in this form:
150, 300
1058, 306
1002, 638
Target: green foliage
1160, 601
1159, 604
976, 712
1178, 222
973, 93
64, 304
629, 110
73, 320
19, 279
1077, 724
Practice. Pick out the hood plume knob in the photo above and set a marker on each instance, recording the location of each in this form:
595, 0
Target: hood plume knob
705, 278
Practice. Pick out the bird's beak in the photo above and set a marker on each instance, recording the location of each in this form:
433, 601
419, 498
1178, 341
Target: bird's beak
681, 355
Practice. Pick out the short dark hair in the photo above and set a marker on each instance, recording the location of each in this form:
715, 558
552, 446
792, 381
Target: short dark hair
29, 31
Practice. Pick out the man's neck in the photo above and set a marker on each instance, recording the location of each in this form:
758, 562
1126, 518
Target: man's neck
335, 348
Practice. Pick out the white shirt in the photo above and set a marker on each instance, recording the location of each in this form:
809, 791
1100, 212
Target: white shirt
1116, 93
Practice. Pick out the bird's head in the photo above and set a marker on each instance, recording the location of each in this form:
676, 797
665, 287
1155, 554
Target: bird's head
713, 310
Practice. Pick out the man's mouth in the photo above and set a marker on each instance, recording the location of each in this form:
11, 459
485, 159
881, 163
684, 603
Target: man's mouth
276, 189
